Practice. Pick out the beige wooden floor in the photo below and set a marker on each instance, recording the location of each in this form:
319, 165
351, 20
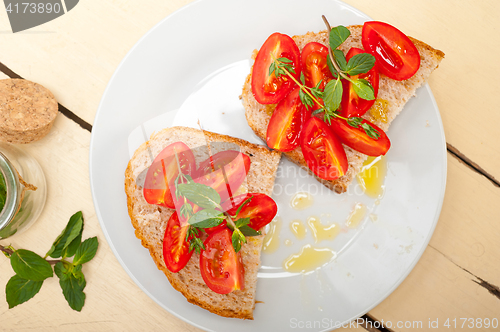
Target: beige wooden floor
458, 275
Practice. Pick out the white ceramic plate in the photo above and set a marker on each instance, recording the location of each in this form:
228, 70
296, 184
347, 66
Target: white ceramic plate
191, 66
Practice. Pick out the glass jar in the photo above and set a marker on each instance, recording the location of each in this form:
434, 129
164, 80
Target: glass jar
23, 205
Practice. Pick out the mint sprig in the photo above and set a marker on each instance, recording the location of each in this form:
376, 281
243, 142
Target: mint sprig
32, 270
341, 69
211, 214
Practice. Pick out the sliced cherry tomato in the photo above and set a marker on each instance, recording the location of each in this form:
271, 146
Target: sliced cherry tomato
322, 150
352, 104
396, 55
164, 170
261, 209
176, 252
357, 139
285, 125
225, 172
220, 266
267, 88
315, 66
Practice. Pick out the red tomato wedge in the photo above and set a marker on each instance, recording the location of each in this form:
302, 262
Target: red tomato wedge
357, 139
396, 55
220, 266
176, 252
225, 172
315, 66
163, 172
267, 88
261, 209
352, 104
285, 125
322, 150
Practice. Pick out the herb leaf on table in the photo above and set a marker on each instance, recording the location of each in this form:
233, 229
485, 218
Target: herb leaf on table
31, 269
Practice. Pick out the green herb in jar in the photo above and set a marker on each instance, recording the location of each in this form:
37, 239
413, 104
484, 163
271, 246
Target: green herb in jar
3, 192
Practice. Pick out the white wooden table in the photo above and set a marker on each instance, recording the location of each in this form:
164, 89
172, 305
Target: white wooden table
75, 55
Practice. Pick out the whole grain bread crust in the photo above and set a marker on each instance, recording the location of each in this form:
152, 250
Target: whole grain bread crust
150, 221
392, 96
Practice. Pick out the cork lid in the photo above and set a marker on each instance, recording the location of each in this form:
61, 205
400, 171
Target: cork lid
27, 111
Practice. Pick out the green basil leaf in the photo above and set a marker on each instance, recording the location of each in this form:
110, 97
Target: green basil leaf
200, 194
207, 223
249, 231
360, 63
61, 271
338, 35
341, 61
78, 274
206, 218
30, 266
242, 222
236, 240
70, 250
331, 66
333, 95
73, 291
70, 232
363, 89
86, 251
19, 290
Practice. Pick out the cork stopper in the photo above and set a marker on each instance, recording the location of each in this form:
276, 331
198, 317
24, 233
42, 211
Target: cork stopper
27, 111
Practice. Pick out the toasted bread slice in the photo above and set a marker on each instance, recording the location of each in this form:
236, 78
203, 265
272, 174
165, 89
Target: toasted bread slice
150, 221
392, 96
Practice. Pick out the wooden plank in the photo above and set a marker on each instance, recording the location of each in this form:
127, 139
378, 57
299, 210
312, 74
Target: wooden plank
468, 230
462, 255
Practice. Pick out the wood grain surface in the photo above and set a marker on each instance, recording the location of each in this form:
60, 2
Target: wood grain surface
458, 275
